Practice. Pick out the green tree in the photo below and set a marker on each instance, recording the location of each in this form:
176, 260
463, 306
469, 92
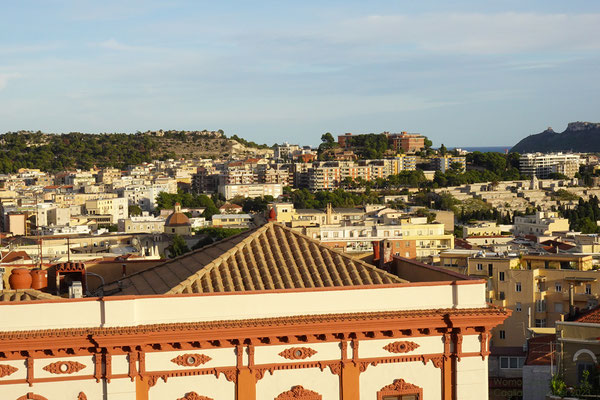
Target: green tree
134, 210
178, 247
327, 138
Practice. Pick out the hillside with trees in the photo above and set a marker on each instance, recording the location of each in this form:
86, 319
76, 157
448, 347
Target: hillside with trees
56, 152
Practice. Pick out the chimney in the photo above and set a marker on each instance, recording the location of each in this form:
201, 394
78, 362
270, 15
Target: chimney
385, 254
571, 300
329, 214
375, 250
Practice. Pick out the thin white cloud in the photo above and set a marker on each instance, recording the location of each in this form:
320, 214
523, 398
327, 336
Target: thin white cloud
502, 33
6, 77
113, 44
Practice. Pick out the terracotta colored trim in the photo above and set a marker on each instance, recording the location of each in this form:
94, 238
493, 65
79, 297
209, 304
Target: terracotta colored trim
191, 360
245, 388
64, 367
32, 396
141, 389
297, 353
401, 346
98, 366
132, 359
349, 381
313, 329
6, 370
400, 387
194, 396
108, 367
299, 393
29, 363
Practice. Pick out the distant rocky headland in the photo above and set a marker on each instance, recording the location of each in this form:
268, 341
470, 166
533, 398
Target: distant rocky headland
581, 137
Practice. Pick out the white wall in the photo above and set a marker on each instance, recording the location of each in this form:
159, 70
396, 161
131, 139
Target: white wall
425, 376
325, 383
127, 311
205, 385
472, 379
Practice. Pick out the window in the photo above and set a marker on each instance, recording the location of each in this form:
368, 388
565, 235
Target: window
511, 362
501, 295
518, 306
540, 305
518, 287
558, 287
501, 276
502, 334
540, 323
479, 267
588, 288
558, 307
405, 397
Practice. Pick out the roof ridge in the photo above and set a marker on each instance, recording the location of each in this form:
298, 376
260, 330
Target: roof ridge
203, 248
371, 267
217, 261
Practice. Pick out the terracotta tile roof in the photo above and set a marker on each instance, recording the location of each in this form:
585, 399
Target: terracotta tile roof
541, 350
269, 257
11, 256
592, 317
24, 295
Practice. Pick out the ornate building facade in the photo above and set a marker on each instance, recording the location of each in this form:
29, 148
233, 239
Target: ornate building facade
355, 332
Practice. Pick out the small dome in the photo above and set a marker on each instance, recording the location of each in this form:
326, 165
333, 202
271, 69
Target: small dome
177, 218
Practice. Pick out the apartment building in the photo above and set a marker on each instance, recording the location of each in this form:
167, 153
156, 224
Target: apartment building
407, 142
541, 165
229, 191
444, 163
115, 208
410, 237
400, 142
481, 229
142, 224
285, 151
543, 223
539, 289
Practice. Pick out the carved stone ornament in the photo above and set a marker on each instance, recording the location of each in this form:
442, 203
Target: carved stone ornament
299, 393
194, 396
32, 396
64, 367
400, 386
6, 370
81, 396
191, 360
401, 347
298, 353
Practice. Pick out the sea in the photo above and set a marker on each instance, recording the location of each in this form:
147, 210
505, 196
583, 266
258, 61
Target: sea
486, 149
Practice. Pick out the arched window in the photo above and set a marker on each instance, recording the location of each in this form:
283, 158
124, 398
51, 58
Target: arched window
32, 396
400, 390
299, 393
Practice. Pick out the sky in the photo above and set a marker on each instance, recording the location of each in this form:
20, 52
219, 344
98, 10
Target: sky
463, 73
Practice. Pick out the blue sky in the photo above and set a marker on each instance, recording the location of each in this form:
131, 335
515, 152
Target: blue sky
464, 73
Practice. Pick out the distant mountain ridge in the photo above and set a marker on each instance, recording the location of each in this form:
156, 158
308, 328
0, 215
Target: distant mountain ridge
581, 137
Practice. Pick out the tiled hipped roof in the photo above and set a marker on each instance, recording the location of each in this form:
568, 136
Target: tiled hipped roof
592, 317
269, 257
24, 295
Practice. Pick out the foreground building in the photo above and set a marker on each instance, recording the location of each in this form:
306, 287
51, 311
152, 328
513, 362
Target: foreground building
267, 314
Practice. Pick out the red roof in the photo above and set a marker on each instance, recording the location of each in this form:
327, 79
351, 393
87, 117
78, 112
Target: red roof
11, 256
541, 351
592, 317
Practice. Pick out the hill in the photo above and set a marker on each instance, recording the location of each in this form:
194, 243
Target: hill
581, 137
55, 152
